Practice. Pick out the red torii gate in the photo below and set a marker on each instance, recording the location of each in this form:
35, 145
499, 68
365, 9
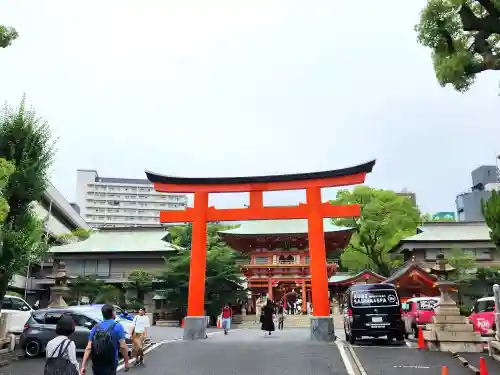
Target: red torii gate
314, 210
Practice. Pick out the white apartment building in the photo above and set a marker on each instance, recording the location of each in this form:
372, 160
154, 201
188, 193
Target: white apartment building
122, 202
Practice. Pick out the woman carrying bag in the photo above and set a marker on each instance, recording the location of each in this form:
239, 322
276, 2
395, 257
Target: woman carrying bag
61, 351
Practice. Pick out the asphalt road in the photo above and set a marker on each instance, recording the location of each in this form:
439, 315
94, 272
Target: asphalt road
289, 352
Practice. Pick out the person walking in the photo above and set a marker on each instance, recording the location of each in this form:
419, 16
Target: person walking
140, 326
281, 317
61, 351
105, 339
267, 318
227, 314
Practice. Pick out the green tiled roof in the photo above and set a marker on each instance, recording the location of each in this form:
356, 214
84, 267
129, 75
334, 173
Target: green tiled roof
451, 231
126, 240
294, 226
338, 278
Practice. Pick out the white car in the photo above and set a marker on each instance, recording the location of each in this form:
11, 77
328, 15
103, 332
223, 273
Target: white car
19, 311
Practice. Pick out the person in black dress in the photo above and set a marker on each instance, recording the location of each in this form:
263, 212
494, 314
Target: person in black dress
267, 317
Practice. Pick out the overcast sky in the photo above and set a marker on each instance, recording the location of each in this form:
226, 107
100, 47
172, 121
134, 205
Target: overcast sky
208, 88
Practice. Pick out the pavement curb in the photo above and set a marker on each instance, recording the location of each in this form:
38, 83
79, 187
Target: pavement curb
473, 369
8, 358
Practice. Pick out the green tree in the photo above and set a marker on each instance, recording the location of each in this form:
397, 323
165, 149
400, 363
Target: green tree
385, 219
84, 286
25, 142
7, 36
223, 281
491, 213
6, 170
140, 281
108, 294
464, 36
77, 235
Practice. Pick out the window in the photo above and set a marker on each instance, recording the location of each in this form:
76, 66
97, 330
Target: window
19, 305
261, 260
431, 254
427, 304
39, 317
484, 306
103, 267
52, 317
7, 304
83, 321
306, 259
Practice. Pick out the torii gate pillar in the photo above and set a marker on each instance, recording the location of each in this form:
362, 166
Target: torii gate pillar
314, 210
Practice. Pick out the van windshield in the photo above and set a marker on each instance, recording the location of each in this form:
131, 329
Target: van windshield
374, 298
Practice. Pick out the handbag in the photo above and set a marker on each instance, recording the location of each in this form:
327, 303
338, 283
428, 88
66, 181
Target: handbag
133, 327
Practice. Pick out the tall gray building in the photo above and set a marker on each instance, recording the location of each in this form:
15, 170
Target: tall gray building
122, 202
484, 181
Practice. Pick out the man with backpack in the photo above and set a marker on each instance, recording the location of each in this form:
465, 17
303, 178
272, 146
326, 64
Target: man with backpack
105, 339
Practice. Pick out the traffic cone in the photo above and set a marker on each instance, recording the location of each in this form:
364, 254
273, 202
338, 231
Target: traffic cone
444, 370
218, 322
483, 370
182, 323
421, 341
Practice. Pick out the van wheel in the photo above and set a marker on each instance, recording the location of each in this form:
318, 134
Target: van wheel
352, 339
33, 348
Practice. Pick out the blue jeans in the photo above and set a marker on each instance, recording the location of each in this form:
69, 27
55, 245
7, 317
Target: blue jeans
226, 323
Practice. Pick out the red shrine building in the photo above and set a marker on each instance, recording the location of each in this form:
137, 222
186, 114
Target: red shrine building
278, 253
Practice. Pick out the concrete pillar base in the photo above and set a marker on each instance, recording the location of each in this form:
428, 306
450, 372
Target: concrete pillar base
195, 328
322, 328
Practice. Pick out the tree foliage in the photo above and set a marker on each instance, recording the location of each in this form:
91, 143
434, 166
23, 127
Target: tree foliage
6, 170
84, 286
385, 219
491, 213
140, 281
7, 35
25, 142
223, 281
109, 294
464, 36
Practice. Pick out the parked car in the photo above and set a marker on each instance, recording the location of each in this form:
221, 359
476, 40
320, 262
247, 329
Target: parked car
41, 328
373, 310
418, 311
19, 310
483, 316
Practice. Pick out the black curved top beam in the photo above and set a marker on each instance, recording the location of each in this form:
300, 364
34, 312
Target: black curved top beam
158, 178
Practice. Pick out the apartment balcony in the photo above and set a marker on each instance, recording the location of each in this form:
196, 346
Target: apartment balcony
283, 263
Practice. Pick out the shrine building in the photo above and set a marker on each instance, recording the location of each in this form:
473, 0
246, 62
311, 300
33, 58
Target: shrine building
278, 253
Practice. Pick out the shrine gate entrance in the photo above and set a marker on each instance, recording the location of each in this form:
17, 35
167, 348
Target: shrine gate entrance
314, 210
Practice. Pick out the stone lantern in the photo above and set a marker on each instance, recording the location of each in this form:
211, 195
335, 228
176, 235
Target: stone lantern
449, 331
60, 288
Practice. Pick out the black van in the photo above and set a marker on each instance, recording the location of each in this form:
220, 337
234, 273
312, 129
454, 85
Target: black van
373, 310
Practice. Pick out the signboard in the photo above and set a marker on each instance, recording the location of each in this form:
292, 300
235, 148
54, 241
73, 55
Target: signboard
444, 216
374, 298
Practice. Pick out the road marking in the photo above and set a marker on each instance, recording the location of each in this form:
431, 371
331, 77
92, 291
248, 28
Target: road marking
152, 347
345, 358
357, 361
411, 366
